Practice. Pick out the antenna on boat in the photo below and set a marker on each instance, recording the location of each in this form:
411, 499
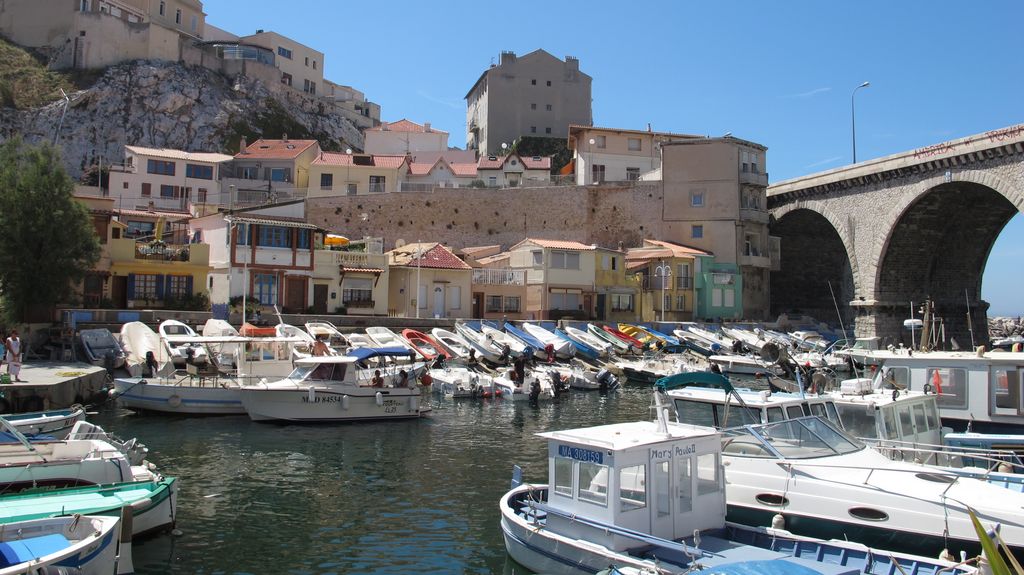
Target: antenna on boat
840, 316
970, 324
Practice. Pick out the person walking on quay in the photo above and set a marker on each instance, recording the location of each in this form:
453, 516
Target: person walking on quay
14, 353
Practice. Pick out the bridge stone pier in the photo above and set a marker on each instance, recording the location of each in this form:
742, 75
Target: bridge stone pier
875, 238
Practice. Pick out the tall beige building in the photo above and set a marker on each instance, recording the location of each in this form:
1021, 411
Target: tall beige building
533, 95
715, 200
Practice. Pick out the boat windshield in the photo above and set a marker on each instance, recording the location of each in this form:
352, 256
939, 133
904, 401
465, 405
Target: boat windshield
803, 438
300, 373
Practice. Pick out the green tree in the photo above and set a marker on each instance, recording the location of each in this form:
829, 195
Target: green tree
47, 241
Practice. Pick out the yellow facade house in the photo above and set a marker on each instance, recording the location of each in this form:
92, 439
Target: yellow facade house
664, 271
615, 290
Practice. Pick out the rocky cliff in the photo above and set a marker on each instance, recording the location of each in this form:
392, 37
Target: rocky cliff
174, 105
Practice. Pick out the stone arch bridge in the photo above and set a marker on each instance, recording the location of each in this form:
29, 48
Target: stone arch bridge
875, 238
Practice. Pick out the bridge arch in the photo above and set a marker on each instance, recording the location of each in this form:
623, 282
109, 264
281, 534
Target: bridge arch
935, 242
817, 263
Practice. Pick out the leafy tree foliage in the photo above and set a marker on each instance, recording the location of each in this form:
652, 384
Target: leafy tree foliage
47, 241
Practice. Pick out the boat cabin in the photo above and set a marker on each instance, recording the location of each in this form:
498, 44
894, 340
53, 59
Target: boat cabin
662, 479
358, 367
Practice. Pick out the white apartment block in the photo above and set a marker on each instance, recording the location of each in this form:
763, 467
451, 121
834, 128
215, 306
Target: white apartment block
404, 137
166, 179
301, 67
616, 155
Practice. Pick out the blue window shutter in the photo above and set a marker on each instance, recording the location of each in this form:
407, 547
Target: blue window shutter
131, 286
188, 285
160, 286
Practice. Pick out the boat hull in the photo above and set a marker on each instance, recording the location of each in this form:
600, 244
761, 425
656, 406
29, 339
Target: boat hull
56, 424
151, 395
340, 404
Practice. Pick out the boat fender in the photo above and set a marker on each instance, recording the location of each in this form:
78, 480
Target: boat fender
895, 394
927, 388
380, 398
945, 555
344, 402
311, 395
174, 401
778, 521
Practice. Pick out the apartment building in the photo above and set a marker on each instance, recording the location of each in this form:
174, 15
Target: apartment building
533, 95
559, 277
99, 33
353, 280
353, 104
404, 137
617, 155
428, 280
338, 174
665, 272
715, 200
499, 291
270, 170
166, 179
301, 67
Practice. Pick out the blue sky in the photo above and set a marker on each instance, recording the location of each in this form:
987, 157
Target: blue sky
778, 73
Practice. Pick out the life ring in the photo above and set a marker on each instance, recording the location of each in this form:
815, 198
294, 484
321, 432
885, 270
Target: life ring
425, 379
174, 401
895, 394
927, 388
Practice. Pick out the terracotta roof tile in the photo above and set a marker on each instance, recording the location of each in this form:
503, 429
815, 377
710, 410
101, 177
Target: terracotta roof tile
424, 162
284, 149
404, 125
171, 216
679, 249
358, 160
364, 270
434, 256
557, 244
530, 163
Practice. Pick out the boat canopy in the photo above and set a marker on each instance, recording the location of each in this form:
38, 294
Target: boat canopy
695, 379
364, 353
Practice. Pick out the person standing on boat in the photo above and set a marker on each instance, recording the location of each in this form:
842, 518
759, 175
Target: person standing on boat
14, 353
377, 380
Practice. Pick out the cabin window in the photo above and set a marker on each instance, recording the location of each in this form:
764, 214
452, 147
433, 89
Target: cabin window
593, 486
329, 372
794, 411
817, 409
1006, 390
696, 413
896, 377
633, 485
563, 476
920, 421
663, 488
859, 421
685, 484
932, 413
906, 422
950, 384
889, 419
775, 414
707, 473
833, 414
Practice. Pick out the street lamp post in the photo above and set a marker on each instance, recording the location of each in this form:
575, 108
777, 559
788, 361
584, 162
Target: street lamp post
664, 271
853, 119
590, 164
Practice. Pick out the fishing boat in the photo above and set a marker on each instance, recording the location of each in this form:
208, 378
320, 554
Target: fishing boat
425, 345
102, 348
630, 340
340, 388
620, 345
640, 334
154, 504
651, 496
602, 346
562, 347
79, 544
456, 345
54, 424
173, 334
484, 348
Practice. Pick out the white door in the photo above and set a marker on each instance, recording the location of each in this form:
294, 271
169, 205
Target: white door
662, 490
683, 503
439, 300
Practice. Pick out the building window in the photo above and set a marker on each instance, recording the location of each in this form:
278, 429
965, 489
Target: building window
634, 144
286, 79
249, 173
147, 190
177, 16
167, 191
160, 167
494, 304
198, 171
195, 23
533, 82
538, 258
162, 5
511, 304
275, 237
597, 173
178, 286
307, 61
266, 288
454, 297
533, 106
622, 302
242, 234
600, 141
697, 198
564, 300
309, 87
565, 260
85, 5
697, 232
681, 303
139, 229
314, 64
632, 174
357, 290
284, 52
326, 181
377, 185
201, 195
533, 129
280, 174
549, 82
548, 107
303, 240
547, 130
352, 189
492, 181
145, 286
666, 303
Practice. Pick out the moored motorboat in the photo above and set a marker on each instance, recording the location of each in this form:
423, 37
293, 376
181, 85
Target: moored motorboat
55, 423
604, 347
620, 345
485, 348
384, 337
456, 345
425, 345
635, 343
171, 333
459, 382
102, 348
562, 347
78, 544
527, 339
516, 347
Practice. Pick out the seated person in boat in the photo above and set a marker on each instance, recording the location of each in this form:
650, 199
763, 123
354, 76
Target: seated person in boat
403, 379
377, 380
320, 346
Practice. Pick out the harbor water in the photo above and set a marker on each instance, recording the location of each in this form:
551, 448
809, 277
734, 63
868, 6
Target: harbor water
376, 497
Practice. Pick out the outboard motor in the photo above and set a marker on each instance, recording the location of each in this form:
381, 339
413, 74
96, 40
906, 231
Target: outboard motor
556, 382
506, 353
535, 391
606, 380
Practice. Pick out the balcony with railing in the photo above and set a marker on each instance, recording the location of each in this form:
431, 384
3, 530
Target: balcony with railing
754, 178
129, 250
503, 276
754, 256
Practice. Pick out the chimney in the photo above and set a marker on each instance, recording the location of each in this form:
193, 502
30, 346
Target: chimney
508, 57
426, 126
648, 126
242, 145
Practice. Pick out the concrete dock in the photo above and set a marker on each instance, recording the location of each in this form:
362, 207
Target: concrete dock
53, 385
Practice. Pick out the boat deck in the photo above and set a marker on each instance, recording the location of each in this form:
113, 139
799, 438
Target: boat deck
53, 385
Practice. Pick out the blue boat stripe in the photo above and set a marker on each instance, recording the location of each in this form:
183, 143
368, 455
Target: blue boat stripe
183, 400
78, 561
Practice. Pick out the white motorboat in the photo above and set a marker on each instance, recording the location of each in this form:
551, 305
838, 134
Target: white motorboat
536, 385
338, 388
516, 347
602, 346
335, 339
576, 375
173, 333
485, 348
743, 364
132, 449
654, 366
26, 464
384, 337
145, 352
564, 349
102, 348
55, 424
812, 338
650, 497
619, 345
456, 382
80, 544
453, 342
